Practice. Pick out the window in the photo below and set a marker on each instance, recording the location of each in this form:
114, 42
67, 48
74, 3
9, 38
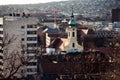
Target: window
0, 26
31, 63
31, 38
31, 26
32, 45
31, 32
69, 33
1, 38
1, 57
1, 32
73, 45
31, 51
1, 51
73, 34
32, 70
22, 39
22, 27
1, 63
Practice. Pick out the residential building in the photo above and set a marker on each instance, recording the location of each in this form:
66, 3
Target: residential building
1, 43
24, 29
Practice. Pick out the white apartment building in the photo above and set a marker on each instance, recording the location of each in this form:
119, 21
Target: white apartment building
24, 29
1, 41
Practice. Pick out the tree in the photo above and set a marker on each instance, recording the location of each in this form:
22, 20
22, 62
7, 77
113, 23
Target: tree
116, 56
13, 59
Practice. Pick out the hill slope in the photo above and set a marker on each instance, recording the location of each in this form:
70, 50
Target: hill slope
84, 7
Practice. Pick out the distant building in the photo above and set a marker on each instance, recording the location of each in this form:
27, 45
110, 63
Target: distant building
116, 26
116, 15
24, 29
1, 43
67, 43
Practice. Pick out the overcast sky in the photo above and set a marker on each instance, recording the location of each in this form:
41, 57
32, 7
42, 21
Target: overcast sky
6, 2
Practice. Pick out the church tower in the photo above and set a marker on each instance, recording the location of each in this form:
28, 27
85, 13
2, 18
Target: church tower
72, 33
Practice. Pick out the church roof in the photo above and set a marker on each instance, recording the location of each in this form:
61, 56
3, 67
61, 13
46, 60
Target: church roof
72, 23
59, 43
52, 30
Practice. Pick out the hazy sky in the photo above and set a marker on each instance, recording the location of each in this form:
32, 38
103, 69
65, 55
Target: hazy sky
5, 2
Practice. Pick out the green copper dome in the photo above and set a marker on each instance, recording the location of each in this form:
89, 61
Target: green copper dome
72, 23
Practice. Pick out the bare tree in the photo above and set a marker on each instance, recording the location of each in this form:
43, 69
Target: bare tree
12, 60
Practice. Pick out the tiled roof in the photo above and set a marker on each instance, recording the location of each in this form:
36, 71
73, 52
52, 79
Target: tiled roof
59, 43
55, 43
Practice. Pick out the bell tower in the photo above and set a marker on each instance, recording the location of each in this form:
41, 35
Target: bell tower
72, 32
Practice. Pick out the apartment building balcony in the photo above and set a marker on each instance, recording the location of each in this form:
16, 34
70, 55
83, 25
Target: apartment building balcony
1, 66
31, 73
31, 35
31, 54
33, 60
1, 60
31, 29
1, 35
30, 42
1, 52
31, 48
1, 29
32, 66
1, 41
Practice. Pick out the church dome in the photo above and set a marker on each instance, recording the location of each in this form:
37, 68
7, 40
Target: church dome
72, 23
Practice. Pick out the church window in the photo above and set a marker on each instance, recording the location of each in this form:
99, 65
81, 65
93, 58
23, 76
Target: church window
73, 34
73, 45
69, 33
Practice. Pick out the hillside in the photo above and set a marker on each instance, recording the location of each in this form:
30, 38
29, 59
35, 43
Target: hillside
87, 8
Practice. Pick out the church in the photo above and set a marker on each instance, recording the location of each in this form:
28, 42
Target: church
70, 43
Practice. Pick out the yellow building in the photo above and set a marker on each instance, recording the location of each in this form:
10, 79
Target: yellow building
72, 36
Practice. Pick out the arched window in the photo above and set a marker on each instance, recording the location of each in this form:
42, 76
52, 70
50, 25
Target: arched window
69, 33
73, 45
73, 34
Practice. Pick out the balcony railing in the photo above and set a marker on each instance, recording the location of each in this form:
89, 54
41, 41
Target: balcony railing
1, 35
33, 60
31, 35
30, 48
31, 29
31, 42
31, 54
31, 66
31, 73
1, 29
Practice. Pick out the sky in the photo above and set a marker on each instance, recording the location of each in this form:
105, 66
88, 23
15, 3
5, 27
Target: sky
6, 2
